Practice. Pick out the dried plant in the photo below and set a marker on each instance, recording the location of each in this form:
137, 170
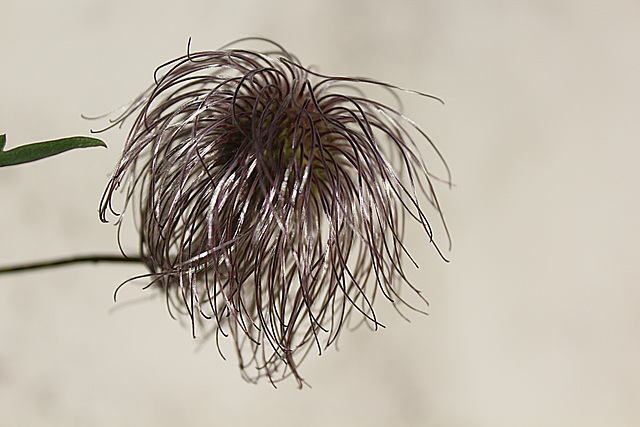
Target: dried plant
271, 199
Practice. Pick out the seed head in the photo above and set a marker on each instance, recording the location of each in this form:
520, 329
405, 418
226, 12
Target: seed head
271, 199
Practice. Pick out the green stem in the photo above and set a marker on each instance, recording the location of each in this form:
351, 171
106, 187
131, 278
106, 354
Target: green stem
70, 260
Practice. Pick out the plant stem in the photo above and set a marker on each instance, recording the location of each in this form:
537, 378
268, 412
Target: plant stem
70, 260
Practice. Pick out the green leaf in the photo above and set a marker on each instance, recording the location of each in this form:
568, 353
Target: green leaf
40, 150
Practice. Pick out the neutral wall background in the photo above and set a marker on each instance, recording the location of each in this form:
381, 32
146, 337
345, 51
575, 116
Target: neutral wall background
535, 321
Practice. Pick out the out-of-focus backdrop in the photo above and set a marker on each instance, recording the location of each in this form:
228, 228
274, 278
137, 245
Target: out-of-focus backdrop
536, 319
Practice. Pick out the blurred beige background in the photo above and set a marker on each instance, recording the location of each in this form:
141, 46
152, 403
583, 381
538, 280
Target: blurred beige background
534, 322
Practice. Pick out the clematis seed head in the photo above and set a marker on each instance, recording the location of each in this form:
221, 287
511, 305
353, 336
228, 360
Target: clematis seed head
271, 200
